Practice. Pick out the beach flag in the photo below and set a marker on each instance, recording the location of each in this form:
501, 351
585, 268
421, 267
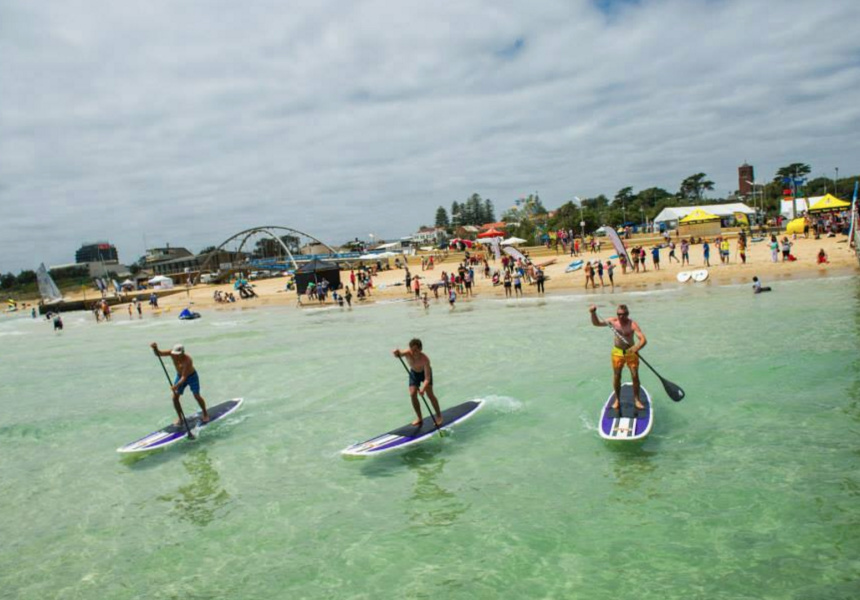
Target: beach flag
617, 243
515, 254
497, 247
742, 219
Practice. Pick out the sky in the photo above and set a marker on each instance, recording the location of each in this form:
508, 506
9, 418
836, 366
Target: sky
184, 121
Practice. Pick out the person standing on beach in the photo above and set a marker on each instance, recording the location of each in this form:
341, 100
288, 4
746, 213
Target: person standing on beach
774, 249
348, 297
625, 352
706, 252
724, 251
600, 273
186, 376
420, 378
507, 284
610, 268
655, 256
539, 278
518, 284
685, 252
672, 252
589, 274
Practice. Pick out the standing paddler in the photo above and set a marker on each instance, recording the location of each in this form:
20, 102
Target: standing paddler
186, 376
420, 378
625, 351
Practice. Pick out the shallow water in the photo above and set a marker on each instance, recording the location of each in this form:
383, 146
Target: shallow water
746, 489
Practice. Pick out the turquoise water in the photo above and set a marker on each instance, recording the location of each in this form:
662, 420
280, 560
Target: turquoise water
748, 488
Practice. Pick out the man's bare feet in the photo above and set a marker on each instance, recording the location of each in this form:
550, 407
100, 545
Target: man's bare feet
417, 422
438, 420
615, 406
204, 419
640, 406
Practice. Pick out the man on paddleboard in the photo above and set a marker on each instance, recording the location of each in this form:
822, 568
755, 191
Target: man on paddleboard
186, 376
625, 352
420, 378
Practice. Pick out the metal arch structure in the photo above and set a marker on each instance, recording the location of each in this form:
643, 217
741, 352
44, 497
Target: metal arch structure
269, 230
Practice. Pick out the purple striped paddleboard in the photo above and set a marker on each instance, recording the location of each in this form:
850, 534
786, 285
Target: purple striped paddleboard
628, 424
412, 434
173, 433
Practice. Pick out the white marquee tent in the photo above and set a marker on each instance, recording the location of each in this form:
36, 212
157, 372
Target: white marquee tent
672, 214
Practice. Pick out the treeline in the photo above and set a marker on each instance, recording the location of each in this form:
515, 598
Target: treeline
25, 282
529, 218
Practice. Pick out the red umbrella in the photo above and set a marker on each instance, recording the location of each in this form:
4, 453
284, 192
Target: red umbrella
491, 233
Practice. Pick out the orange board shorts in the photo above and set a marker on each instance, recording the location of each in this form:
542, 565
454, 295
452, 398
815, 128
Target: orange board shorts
621, 358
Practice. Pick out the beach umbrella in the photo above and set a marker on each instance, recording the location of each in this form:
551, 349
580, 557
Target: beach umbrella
491, 233
513, 241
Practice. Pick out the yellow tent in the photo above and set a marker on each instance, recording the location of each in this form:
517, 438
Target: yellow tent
828, 203
698, 216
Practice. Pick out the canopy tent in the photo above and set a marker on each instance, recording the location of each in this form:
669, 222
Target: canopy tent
315, 271
698, 223
801, 205
491, 233
513, 241
829, 203
161, 281
455, 243
698, 216
672, 214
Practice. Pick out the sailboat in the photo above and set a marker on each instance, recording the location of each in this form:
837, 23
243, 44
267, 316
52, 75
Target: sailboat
47, 288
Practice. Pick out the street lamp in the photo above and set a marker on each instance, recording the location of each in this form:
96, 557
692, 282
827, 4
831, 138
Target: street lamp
581, 218
836, 184
753, 184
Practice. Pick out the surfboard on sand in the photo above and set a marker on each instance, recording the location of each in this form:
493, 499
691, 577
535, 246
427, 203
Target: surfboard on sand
413, 434
684, 276
700, 275
172, 433
577, 264
626, 423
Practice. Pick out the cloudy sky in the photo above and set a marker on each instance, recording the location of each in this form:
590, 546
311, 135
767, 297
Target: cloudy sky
187, 121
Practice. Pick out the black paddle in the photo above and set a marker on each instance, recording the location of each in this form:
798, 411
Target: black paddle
170, 384
673, 390
427, 406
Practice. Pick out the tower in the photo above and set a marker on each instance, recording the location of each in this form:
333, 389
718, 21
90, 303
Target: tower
746, 174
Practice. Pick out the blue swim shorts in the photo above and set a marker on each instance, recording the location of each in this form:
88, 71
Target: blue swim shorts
193, 381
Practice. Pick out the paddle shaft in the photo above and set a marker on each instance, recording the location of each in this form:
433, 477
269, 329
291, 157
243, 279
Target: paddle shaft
179, 405
673, 390
427, 406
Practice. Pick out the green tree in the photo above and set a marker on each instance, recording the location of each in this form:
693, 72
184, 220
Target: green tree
25, 277
694, 187
455, 214
794, 170
7, 281
207, 250
489, 211
442, 217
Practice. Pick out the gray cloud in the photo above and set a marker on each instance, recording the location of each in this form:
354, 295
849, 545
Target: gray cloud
189, 121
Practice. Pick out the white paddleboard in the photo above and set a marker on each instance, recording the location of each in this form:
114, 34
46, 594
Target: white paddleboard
176, 433
684, 276
700, 275
627, 423
412, 434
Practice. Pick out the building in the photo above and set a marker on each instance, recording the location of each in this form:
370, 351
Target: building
432, 236
158, 255
746, 177
96, 252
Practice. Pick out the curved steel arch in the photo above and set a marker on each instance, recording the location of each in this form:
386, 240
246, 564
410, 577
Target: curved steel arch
270, 231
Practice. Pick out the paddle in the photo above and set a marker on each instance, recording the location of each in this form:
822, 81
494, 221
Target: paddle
427, 406
673, 390
170, 384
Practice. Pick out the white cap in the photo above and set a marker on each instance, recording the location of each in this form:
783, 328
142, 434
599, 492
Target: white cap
178, 350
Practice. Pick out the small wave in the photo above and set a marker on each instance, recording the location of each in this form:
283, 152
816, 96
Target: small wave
588, 424
504, 404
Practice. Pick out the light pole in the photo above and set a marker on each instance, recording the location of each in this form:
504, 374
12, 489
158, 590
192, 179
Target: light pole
581, 218
836, 184
753, 184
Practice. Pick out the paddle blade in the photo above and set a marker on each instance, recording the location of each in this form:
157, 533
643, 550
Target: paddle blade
673, 391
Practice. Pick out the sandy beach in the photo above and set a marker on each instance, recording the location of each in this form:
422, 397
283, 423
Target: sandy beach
842, 260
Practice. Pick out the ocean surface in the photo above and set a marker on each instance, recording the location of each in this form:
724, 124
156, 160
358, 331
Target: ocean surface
748, 488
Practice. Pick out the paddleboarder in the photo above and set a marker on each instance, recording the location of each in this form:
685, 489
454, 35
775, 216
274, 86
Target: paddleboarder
186, 376
420, 378
625, 352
